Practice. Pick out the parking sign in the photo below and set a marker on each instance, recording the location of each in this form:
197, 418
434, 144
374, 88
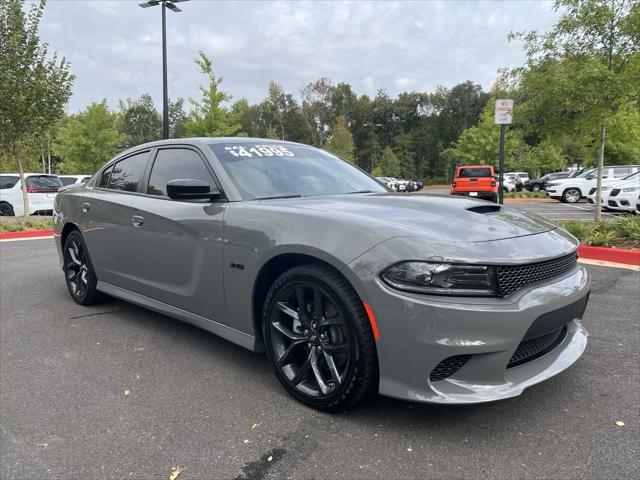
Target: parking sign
504, 111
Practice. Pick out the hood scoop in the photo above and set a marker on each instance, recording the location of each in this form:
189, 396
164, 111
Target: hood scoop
485, 209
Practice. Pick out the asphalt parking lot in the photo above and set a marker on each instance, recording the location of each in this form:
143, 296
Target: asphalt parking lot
206, 405
547, 208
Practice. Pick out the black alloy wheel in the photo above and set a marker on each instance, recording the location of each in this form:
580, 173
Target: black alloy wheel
535, 188
78, 270
318, 338
6, 210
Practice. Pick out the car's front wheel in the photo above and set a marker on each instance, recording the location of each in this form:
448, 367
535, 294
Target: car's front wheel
319, 339
571, 195
535, 188
78, 270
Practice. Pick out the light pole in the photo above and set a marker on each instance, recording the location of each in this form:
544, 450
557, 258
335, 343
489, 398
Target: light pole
372, 125
165, 94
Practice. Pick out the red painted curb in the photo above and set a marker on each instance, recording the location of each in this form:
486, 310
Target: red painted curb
27, 234
610, 254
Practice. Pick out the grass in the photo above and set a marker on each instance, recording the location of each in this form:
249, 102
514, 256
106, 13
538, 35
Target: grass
18, 224
622, 232
525, 194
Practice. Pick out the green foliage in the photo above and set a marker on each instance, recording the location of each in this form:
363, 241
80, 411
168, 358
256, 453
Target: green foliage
388, 165
19, 224
578, 228
139, 120
622, 232
209, 116
89, 139
341, 140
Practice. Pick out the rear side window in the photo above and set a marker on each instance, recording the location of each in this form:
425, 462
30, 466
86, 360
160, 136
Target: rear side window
8, 181
475, 172
85, 179
43, 183
67, 180
127, 173
104, 178
175, 163
621, 172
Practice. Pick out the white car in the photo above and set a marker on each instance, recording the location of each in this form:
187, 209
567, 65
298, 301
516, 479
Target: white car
41, 191
523, 175
509, 184
623, 196
74, 179
389, 182
571, 190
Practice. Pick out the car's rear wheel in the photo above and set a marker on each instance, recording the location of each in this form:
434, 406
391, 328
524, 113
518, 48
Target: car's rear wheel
78, 270
535, 188
6, 210
318, 338
571, 195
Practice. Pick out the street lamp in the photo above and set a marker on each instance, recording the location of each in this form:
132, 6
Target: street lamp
165, 94
372, 125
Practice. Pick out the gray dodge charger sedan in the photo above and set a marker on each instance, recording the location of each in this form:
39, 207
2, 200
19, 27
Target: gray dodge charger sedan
349, 288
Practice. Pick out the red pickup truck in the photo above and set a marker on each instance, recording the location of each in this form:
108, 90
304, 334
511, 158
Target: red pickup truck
475, 181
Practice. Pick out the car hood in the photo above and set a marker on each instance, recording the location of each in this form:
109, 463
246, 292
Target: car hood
444, 219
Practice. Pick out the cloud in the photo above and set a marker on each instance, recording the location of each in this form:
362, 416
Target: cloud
115, 47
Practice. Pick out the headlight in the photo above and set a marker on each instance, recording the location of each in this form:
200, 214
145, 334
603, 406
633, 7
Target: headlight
631, 189
442, 278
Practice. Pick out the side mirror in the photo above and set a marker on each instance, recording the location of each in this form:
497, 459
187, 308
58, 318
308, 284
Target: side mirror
591, 177
190, 189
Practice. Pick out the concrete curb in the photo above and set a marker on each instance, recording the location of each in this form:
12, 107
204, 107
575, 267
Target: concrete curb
610, 254
45, 233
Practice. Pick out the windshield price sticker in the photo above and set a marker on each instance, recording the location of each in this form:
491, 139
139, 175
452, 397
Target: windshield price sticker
268, 150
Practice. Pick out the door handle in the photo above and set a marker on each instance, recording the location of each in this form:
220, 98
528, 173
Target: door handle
86, 207
137, 221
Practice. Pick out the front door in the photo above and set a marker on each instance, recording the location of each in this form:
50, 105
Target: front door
177, 245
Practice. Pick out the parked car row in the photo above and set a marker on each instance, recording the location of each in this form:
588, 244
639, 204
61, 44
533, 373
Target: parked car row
41, 191
622, 195
401, 185
572, 189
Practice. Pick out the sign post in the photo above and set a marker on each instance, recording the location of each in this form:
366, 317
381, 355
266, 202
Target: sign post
503, 117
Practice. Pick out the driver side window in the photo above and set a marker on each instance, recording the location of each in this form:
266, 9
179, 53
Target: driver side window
175, 163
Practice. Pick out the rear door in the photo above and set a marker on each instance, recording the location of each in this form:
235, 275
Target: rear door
106, 211
177, 245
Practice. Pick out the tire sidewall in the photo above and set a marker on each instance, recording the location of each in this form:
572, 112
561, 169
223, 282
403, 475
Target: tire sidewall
90, 293
357, 336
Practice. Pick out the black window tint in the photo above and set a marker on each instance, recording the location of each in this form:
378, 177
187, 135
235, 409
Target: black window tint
172, 164
127, 173
474, 172
85, 179
43, 182
8, 181
67, 180
104, 178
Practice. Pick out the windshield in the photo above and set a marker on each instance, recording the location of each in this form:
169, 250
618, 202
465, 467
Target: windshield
586, 173
271, 170
632, 176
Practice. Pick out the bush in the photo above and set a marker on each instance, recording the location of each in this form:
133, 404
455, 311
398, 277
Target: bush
623, 232
525, 194
19, 224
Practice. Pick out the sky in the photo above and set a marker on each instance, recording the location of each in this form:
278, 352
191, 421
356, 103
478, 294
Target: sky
115, 46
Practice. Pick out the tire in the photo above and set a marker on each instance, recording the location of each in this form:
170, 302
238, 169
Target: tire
330, 364
571, 195
6, 209
494, 198
78, 271
535, 188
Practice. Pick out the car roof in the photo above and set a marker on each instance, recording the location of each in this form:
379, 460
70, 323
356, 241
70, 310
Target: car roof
29, 174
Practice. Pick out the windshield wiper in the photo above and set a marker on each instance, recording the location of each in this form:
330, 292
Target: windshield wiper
291, 195
359, 191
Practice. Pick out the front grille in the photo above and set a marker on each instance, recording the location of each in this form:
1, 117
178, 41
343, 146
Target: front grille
614, 192
515, 277
448, 367
536, 347
592, 191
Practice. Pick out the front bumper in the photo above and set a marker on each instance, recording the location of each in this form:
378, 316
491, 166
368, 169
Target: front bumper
624, 201
418, 332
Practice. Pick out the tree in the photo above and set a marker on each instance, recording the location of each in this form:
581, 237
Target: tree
316, 108
89, 139
210, 117
341, 140
139, 120
177, 119
592, 53
388, 165
34, 88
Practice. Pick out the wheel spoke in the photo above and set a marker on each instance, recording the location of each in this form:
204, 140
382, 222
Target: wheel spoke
71, 272
342, 348
317, 304
292, 346
302, 307
316, 372
83, 277
283, 329
284, 308
78, 284
73, 255
333, 370
301, 374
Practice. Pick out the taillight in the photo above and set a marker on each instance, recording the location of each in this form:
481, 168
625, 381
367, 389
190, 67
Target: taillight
493, 184
453, 184
41, 190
